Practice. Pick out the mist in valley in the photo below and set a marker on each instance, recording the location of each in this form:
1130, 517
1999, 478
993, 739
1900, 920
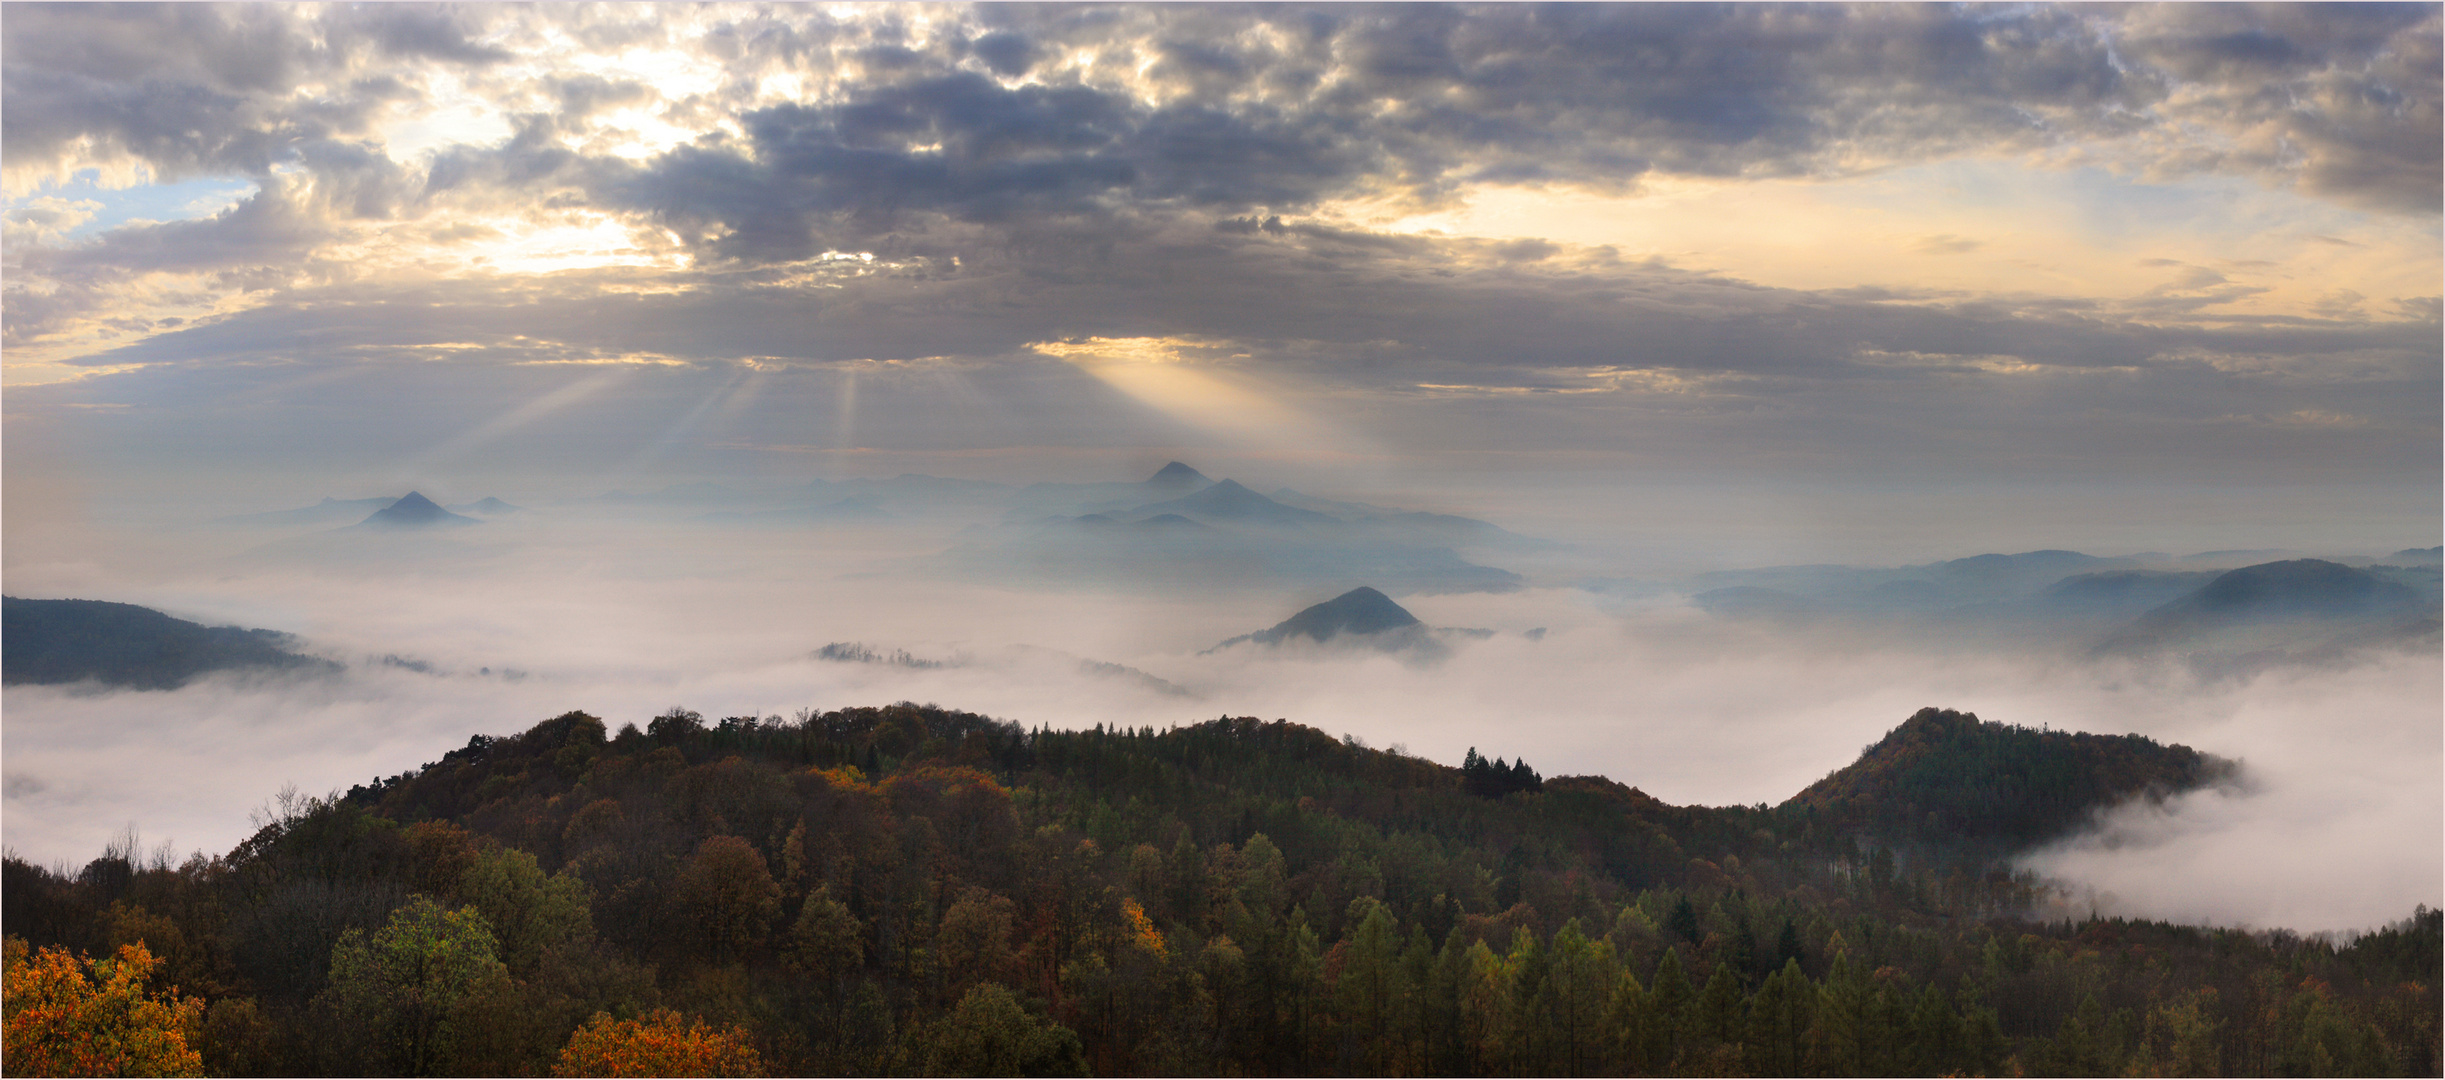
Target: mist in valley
1702, 394
626, 608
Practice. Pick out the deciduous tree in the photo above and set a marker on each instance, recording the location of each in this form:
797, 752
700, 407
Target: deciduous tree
68, 1016
423, 995
663, 1043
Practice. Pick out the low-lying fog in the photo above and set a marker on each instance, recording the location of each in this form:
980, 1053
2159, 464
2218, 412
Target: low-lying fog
587, 606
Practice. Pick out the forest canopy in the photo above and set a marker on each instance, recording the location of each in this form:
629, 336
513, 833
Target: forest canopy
911, 889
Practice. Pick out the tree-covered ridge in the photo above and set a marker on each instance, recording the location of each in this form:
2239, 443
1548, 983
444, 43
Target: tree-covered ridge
1946, 777
66, 641
916, 890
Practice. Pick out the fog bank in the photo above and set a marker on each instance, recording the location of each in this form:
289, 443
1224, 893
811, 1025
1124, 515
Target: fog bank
489, 630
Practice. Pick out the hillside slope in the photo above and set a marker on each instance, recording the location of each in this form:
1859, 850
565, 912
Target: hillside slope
911, 890
1948, 777
66, 641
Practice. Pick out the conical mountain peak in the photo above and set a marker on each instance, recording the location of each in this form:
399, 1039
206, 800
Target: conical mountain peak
1361, 611
1178, 476
414, 511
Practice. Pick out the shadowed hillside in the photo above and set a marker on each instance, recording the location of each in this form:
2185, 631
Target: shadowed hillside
66, 641
2270, 594
914, 890
1946, 777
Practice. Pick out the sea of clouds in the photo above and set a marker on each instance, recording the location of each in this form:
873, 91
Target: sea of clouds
489, 630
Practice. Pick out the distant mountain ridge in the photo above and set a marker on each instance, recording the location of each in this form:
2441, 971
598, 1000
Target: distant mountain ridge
414, 511
1231, 501
113, 644
331, 511
2294, 591
1180, 528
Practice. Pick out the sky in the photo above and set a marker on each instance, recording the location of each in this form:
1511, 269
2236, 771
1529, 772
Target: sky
1692, 288
1940, 251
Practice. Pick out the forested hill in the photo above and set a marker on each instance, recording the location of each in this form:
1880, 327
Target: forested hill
1946, 778
66, 641
915, 890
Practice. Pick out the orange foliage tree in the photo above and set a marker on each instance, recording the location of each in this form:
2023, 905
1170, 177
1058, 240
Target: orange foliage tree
67, 1016
662, 1044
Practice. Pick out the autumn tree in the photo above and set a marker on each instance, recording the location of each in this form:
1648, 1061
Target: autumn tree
973, 943
527, 910
420, 996
68, 1016
731, 893
663, 1043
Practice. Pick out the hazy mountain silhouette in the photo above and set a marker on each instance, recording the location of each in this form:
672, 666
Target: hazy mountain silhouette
1155, 524
414, 511
1361, 612
2125, 591
1230, 502
66, 641
2294, 590
1178, 479
1989, 575
330, 511
489, 507
1170, 550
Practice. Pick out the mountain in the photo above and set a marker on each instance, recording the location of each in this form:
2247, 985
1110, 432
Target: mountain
66, 641
414, 511
1228, 502
1950, 587
2268, 595
1178, 479
330, 511
488, 507
2016, 574
1182, 889
1360, 612
2126, 591
1946, 777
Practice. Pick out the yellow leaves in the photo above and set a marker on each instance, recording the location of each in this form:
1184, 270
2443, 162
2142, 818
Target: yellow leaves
1142, 932
842, 776
663, 1043
67, 1016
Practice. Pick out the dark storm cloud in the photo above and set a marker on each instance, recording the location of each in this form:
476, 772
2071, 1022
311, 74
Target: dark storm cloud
1284, 109
1306, 103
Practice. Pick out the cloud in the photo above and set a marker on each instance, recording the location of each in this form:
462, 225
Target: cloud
2347, 106
625, 617
1343, 328
1079, 147
2335, 826
45, 218
192, 89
